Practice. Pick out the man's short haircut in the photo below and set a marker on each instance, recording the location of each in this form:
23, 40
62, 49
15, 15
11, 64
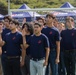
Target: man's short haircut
69, 18
38, 24
41, 18
8, 17
17, 22
14, 21
50, 15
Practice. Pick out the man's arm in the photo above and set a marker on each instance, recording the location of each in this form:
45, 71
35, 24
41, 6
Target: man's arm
1, 41
47, 56
23, 54
57, 51
24, 42
24, 39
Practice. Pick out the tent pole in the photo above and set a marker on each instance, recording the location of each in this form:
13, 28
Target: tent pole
8, 7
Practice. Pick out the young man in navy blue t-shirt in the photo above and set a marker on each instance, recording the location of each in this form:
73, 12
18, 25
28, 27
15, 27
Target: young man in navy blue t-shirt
68, 38
13, 41
54, 38
5, 30
39, 50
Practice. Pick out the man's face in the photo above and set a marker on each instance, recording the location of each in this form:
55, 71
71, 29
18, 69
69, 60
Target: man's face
6, 22
12, 26
49, 20
61, 27
55, 23
37, 29
41, 22
68, 23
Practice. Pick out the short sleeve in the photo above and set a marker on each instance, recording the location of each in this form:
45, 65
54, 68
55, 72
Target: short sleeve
46, 41
29, 40
21, 40
57, 37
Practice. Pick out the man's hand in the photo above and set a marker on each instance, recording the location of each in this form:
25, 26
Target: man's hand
23, 32
24, 21
45, 63
57, 60
22, 63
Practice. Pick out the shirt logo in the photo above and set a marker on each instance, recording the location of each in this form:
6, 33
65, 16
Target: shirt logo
50, 32
14, 38
39, 41
72, 34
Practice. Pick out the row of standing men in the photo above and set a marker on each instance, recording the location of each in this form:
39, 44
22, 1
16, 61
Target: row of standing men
37, 47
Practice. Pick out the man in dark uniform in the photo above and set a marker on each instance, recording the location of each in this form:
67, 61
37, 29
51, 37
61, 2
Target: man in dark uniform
54, 38
68, 38
13, 41
39, 50
5, 30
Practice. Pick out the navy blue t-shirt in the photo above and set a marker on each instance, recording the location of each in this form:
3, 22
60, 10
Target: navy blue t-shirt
68, 38
28, 49
13, 42
52, 34
37, 45
5, 31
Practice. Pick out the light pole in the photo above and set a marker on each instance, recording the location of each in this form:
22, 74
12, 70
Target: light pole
8, 7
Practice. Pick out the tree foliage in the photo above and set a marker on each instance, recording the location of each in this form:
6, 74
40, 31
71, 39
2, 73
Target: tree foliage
15, 4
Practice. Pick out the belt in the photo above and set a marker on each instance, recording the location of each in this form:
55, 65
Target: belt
37, 59
12, 57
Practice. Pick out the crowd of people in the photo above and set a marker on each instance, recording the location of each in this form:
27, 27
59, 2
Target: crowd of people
41, 47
